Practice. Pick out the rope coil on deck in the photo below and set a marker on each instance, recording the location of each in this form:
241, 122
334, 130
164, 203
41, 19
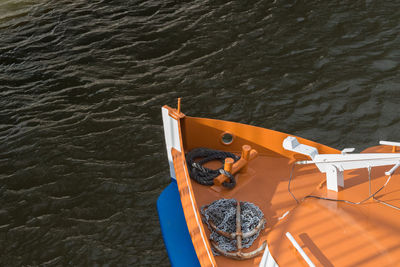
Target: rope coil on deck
203, 175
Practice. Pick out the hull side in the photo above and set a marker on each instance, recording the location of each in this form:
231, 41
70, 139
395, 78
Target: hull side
177, 240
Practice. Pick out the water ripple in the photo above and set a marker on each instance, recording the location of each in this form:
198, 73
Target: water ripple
82, 157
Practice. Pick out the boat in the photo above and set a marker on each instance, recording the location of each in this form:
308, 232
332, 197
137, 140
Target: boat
321, 206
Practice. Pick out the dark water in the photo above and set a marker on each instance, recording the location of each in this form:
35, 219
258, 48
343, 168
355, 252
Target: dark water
82, 156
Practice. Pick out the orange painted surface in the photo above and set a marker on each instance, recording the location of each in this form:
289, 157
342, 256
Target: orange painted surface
199, 132
330, 233
340, 234
190, 209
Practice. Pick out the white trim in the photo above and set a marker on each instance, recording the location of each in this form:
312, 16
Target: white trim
172, 140
267, 260
300, 250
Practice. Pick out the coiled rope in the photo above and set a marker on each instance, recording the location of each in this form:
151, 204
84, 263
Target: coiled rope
203, 175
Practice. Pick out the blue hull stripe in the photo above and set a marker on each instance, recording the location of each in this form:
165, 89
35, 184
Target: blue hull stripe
174, 229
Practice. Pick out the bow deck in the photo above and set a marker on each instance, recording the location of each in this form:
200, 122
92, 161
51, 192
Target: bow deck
330, 233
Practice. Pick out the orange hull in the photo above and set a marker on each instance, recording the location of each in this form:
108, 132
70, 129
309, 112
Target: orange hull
330, 233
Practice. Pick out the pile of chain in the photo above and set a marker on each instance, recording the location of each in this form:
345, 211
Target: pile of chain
222, 213
206, 176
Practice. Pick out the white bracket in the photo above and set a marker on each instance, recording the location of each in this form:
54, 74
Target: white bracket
291, 143
348, 150
334, 178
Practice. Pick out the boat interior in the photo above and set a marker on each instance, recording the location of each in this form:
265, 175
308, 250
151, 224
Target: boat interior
331, 233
